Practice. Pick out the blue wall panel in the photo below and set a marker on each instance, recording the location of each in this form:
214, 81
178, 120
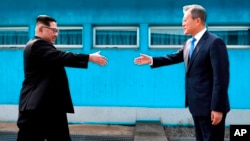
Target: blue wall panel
121, 11
11, 75
121, 83
240, 78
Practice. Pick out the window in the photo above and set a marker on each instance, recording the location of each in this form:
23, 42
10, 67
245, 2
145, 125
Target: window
233, 36
69, 37
13, 37
121, 37
173, 36
166, 37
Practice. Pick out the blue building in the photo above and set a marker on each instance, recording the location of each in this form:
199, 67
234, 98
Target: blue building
121, 92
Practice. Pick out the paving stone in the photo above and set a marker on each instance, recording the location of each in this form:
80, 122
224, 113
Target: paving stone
149, 131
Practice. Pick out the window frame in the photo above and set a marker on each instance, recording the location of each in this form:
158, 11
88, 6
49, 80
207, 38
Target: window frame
116, 28
65, 46
212, 28
163, 46
15, 28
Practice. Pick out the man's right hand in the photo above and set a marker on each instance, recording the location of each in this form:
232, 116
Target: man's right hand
143, 59
98, 59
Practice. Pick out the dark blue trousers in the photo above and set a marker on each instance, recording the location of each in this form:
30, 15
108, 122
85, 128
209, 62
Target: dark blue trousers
205, 131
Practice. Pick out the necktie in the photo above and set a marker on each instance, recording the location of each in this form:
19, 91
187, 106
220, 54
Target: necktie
191, 49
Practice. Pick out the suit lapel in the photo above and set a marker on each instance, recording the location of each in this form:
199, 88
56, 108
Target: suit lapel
197, 49
186, 53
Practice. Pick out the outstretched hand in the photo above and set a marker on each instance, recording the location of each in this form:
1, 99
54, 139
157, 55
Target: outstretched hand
98, 58
143, 59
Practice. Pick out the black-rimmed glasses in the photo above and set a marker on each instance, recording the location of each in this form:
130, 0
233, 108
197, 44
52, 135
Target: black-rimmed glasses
55, 30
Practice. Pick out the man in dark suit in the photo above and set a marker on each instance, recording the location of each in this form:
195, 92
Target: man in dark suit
45, 97
207, 74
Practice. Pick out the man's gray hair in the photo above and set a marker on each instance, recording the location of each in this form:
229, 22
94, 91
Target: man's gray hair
197, 11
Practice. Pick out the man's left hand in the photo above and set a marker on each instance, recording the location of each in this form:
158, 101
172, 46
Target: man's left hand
216, 117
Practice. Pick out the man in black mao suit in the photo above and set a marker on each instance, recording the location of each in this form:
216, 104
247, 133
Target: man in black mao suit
45, 97
207, 75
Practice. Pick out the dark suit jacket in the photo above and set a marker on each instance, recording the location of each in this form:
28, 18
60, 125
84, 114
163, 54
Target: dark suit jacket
207, 74
45, 86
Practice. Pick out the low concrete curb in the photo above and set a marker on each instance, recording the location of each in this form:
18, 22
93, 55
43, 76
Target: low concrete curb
149, 131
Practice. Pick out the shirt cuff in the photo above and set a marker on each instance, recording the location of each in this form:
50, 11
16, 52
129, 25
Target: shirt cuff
151, 61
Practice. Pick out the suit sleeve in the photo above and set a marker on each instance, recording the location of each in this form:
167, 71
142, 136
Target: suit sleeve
220, 68
170, 59
46, 53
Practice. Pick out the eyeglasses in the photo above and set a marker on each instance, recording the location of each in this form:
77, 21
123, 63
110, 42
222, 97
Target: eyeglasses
55, 30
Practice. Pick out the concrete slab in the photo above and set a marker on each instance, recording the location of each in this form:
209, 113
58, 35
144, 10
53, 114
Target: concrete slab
149, 131
83, 129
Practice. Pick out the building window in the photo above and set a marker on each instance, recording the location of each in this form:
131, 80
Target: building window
233, 36
173, 36
120, 37
166, 37
13, 37
69, 37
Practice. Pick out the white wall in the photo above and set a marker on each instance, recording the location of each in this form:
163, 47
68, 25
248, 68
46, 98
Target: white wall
129, 115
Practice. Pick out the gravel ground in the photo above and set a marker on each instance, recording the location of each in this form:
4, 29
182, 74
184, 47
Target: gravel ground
185, 132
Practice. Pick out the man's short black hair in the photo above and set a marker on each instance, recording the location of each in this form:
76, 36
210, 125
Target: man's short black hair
44, 19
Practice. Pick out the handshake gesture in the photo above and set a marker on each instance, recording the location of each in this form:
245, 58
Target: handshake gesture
98, 58
143, 59
102, 61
